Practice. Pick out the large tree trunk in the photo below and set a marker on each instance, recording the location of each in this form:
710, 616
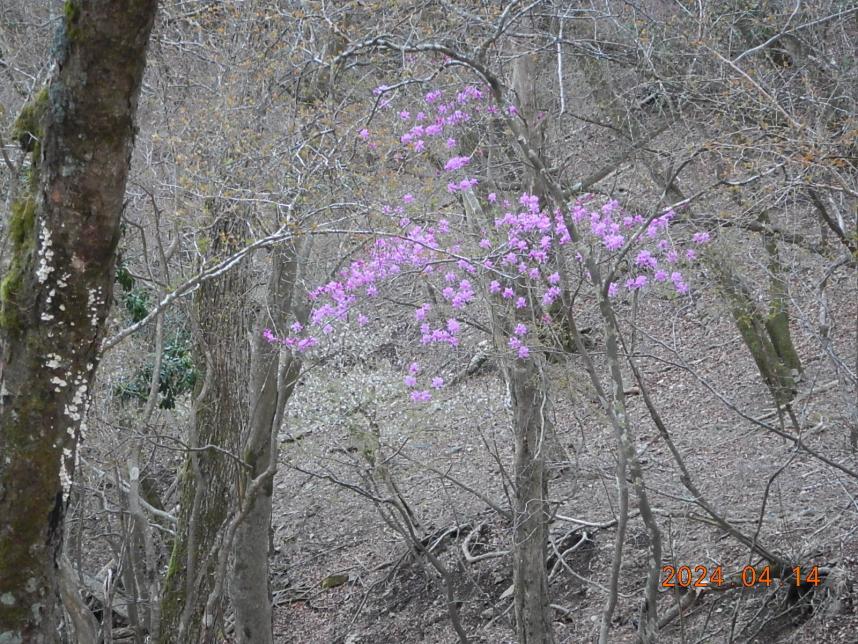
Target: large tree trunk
57, 290
210, 477
250, 595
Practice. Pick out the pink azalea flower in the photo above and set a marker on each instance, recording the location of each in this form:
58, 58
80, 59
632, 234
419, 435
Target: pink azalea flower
614, 242
456, 163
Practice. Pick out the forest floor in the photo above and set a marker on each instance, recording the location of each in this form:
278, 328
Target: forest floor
342, 575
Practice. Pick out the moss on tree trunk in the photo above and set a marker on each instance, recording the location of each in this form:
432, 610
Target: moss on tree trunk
766, 336
57, 291
755, 334
777, 326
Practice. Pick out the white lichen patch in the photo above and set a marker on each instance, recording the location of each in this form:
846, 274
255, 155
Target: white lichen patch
65, 479
53, 361
65, 475
83, 422
79, 400
46, 255
72, 412
93, 301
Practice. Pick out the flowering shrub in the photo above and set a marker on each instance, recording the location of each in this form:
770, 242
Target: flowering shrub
509, 260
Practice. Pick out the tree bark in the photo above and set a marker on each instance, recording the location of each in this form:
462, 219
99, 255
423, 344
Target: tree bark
210, 479
755, 332
57, 291
532, 428
777, 320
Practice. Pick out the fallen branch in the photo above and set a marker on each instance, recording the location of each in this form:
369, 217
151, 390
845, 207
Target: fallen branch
466, 549
687, 601
561, 556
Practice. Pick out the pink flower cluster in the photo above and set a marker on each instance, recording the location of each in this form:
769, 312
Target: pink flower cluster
515, 262
659, 256
298, 344
410, 380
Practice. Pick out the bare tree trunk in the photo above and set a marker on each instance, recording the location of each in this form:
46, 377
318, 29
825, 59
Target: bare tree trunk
532, 427
533, 432
57, 291
250, 595
210, 477
628, 458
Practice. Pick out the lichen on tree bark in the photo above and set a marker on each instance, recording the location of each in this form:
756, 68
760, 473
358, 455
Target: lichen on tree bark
57, 290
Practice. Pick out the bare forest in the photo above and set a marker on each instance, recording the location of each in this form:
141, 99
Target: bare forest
444, 321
